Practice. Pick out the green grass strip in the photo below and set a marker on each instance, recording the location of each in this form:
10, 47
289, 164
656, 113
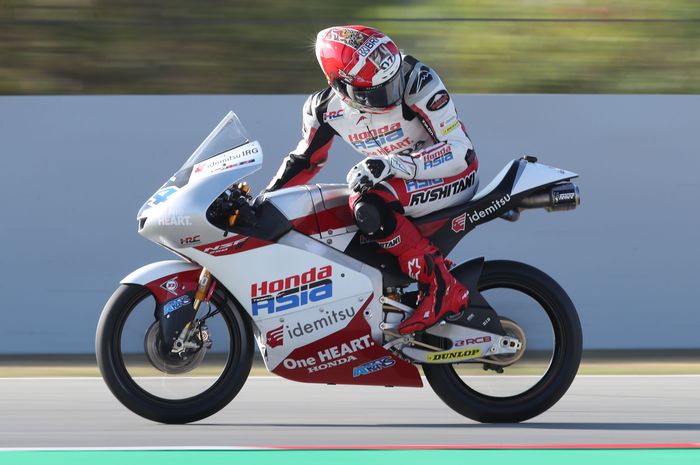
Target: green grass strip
355, 457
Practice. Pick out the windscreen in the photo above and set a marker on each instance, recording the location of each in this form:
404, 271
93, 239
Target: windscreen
222, 150
227, 135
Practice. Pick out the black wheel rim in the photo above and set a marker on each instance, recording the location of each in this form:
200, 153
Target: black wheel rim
133, 385
558, 350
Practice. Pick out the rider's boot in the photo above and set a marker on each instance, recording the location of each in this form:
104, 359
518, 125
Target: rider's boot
440, 293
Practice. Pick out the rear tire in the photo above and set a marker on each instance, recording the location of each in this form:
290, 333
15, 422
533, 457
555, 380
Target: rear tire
114, 370
456, 393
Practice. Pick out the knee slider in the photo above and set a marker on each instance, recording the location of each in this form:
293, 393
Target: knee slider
374, 217
367, 217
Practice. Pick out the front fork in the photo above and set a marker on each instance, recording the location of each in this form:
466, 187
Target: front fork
205, 288
173, 329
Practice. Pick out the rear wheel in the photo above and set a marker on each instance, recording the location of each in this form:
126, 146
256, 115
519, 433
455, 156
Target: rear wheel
158, 384
514, 388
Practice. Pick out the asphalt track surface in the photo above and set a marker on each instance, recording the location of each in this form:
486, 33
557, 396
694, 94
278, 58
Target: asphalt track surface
269, 411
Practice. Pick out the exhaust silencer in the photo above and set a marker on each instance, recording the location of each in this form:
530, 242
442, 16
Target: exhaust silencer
559, 197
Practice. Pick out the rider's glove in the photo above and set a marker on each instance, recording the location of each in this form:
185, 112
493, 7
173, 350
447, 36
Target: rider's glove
373, 170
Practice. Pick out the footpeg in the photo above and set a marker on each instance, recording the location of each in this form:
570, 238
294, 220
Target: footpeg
398, 305
389, 326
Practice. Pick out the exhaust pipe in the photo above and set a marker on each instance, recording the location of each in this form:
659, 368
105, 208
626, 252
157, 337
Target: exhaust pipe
559, 197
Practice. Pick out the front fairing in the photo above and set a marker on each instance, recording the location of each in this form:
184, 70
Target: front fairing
175, 216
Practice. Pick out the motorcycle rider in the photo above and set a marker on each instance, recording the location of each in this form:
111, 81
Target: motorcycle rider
396, 111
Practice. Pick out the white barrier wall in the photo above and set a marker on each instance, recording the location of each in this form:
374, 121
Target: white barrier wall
77, 169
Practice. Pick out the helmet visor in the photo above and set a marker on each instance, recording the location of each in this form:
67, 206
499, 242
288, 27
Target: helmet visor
381, 96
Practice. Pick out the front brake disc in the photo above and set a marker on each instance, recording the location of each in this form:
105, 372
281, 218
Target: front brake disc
160, 356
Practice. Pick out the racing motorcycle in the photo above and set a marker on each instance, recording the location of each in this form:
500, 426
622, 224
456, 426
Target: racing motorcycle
290, 271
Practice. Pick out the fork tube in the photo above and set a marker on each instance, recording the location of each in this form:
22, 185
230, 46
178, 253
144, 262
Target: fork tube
202, 288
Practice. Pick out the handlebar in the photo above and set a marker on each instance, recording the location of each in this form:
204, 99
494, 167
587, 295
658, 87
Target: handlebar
233, 207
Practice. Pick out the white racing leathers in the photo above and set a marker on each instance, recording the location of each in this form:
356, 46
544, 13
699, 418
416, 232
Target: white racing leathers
424, 131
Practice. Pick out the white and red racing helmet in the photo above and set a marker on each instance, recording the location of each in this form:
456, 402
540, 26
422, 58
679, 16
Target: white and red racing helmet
362, 66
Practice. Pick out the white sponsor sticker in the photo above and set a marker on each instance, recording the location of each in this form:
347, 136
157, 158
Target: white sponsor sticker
228, 160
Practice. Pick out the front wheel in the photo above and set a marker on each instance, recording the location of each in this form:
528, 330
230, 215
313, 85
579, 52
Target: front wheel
163, 386
532, 306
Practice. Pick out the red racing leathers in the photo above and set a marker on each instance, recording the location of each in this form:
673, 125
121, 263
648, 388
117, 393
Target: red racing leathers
437, 168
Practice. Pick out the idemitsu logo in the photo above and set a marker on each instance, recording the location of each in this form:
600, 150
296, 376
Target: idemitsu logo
293, 291
275, 337
476, 215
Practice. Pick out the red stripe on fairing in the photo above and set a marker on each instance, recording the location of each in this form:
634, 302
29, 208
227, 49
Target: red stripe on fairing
318, 223
306, 224
499, 447
187, 281
336, 217
232, 245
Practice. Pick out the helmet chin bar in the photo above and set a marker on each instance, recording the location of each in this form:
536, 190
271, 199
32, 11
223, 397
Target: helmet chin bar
390, 91
359, 107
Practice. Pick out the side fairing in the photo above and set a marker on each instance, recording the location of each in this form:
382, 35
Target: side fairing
293, 202
319, 211
295, 282
337, 226
347, 357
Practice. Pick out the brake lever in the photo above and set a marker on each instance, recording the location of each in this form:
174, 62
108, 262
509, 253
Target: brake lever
229, 224
246, 212
238, 199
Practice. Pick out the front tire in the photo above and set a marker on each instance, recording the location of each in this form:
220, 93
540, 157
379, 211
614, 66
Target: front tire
558, 376
123, 382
